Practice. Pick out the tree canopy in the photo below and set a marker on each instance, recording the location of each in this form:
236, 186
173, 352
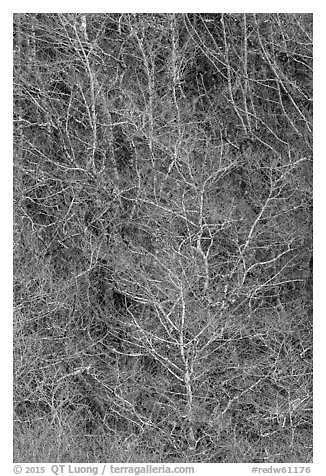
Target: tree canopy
163, 236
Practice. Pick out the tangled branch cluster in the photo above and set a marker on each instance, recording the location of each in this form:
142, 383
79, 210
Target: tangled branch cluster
163, 236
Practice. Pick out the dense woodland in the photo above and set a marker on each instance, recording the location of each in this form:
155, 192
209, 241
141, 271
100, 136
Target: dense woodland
163, 237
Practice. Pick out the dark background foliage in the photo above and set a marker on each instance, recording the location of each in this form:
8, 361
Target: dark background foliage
163, 237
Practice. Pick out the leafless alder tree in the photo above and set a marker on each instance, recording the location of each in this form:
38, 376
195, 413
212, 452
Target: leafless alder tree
163, 232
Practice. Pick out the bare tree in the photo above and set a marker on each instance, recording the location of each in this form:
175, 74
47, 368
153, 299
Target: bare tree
163, 229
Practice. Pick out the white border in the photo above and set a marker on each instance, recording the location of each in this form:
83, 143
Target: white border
178, 6
319, 196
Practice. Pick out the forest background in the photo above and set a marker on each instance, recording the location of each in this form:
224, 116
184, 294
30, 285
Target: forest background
163, 237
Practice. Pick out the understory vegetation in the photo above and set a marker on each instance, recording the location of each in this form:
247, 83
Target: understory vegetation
163, 238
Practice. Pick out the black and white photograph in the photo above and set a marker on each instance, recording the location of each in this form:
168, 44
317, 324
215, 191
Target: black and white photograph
163, 237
